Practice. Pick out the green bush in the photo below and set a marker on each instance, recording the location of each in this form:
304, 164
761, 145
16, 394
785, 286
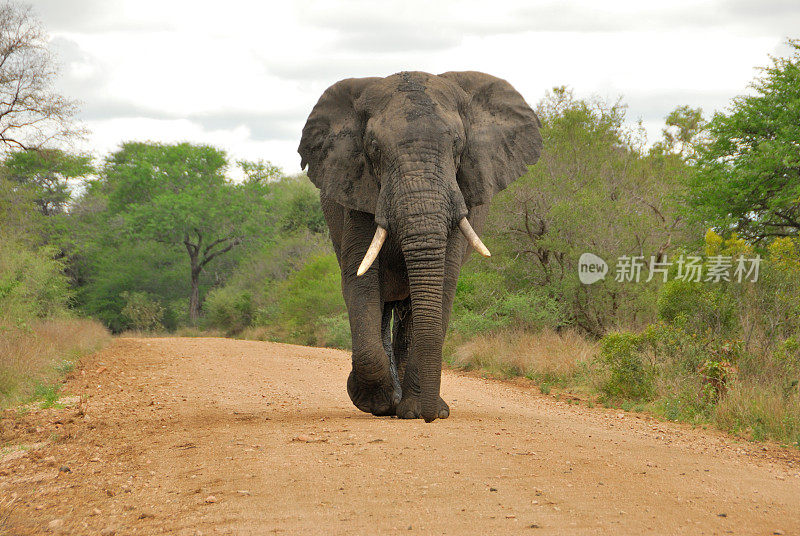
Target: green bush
142, 312
110, 271
630, 376
477, 290
532, 309
698, 307
309, 294
469, 324
32, 282
676, 351
484, 303
229, 309
336, 332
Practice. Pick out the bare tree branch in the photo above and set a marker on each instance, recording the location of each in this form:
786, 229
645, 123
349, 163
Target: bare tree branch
31, 112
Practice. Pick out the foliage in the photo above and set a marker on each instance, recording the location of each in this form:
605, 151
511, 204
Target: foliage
717, 344
46, 174
335, 332
630, 376
697, 306
177, 195
593, 190
109, 270
483, 304
747, 177
32, 284
260, 172
19, 218
683, 134
142, 312
229, 309
306, 296
302, 306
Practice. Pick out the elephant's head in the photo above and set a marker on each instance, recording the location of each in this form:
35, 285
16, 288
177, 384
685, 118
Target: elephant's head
418, 151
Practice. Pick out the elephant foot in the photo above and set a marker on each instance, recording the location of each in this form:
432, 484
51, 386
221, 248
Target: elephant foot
377, 398
411, 408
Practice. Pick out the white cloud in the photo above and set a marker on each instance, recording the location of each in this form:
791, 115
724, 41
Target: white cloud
244, 75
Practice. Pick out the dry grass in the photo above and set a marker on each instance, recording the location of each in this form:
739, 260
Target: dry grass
38, 355
259, 333
761, 412
545, 356
186, 331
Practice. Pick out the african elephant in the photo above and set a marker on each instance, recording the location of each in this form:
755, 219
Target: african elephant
406, 166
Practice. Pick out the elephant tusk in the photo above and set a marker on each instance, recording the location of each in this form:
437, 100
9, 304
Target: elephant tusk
374, 249
472, 236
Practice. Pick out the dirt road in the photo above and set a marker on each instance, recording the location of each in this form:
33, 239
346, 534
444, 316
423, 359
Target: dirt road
216, 436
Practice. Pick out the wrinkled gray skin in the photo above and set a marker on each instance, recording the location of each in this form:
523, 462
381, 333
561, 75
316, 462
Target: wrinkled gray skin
414, 153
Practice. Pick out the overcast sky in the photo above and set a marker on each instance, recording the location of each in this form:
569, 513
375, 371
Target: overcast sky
243, 75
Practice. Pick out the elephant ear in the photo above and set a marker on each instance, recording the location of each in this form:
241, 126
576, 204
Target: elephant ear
502, 136
332, 146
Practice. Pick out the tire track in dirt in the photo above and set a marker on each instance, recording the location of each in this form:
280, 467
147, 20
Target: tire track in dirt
217, 436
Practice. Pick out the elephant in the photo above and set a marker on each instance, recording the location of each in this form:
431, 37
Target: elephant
406, 166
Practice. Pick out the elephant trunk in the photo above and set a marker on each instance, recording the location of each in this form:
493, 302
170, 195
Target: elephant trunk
426, 279
423, 218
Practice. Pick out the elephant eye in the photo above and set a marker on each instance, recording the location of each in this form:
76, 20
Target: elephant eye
373, 151
373, 154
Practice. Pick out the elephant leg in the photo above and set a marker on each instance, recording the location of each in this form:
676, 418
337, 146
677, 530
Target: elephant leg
370, 384
401, 336
410, 404
386, 335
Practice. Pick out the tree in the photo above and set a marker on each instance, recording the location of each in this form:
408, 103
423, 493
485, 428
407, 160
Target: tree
31, 112
748, 176
179, 195
683, 133
46, 174
591, 191
260, 171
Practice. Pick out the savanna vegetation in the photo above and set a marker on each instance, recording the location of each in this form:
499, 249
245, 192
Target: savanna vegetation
40, 335
158, 238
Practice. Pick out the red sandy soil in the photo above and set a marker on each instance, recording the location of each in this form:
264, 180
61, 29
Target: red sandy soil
193, 436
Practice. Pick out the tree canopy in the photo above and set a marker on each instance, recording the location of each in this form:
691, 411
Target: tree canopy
747, 177
46, 173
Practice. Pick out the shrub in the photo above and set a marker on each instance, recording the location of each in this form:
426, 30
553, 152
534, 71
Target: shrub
143, 267
141, 311
484, 305
32, 283
698, 307
629, 375
298, 309
478, 290
469, 324
229, 309
335, 332
532, 309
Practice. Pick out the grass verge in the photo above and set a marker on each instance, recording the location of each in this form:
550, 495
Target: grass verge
626, 371
33, 359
